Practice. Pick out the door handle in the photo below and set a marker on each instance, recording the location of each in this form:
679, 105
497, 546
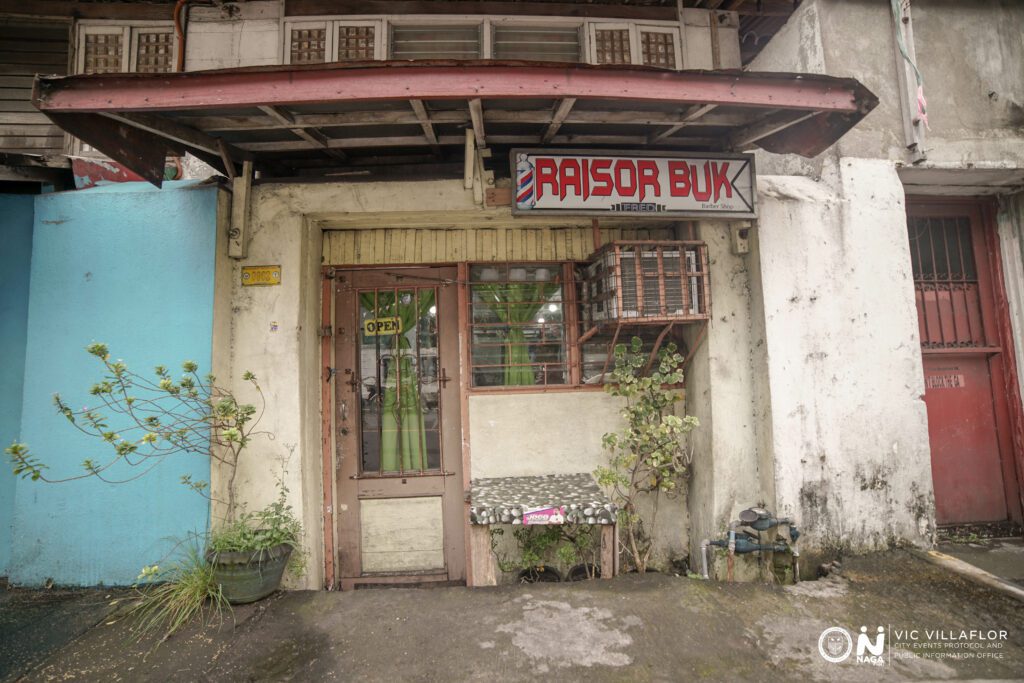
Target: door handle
443, 379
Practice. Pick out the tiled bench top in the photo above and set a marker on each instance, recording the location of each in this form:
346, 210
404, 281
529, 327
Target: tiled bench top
504, 500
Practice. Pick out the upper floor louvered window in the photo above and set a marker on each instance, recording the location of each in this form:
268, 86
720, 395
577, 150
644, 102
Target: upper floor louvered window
436, 42
542, 43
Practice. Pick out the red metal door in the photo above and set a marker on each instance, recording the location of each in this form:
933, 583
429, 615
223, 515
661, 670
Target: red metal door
966, 466
965, 388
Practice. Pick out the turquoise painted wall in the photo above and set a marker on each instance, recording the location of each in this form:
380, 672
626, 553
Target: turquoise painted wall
15, 256
131, 266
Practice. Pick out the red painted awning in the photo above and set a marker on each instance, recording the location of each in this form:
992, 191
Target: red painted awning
295, 119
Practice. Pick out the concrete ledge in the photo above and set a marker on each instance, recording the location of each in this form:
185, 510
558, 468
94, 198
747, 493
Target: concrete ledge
971, 572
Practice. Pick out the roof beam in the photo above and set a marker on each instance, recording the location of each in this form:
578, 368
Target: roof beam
140, 150
399, 81
476, 114
564, 107
691, 116
769, 125
418, 141
214, 124
424, 120
172, 130
312, 136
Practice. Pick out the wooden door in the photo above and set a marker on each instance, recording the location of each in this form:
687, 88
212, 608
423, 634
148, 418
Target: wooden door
399, 458
965, 384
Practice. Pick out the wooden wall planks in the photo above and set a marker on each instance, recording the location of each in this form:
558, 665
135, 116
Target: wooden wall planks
29, 48
393, 246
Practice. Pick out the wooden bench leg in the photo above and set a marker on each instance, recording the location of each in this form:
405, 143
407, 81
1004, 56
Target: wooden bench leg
481, 560
609, 551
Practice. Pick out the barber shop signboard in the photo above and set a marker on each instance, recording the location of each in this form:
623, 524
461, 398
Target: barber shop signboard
551, 182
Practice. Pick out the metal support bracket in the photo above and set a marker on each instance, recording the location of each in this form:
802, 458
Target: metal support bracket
238, 232
913, 124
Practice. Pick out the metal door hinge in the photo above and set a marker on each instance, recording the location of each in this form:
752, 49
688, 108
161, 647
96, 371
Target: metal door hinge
327, 331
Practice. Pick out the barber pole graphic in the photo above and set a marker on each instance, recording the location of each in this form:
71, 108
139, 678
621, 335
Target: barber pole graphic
525, 198
629, 183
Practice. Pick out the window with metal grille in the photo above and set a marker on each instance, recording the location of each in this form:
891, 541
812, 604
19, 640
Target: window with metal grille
647, 282
658, 49
355, 43
436, 42
399, 389
946, 287
104, 53
544, 43
611, 46
154, 52
308, 45
517, 325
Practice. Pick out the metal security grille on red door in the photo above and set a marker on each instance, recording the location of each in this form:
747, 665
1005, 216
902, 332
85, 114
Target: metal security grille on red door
550, 182
949, 306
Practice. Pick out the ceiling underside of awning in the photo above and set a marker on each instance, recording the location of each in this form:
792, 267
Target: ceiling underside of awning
304, 121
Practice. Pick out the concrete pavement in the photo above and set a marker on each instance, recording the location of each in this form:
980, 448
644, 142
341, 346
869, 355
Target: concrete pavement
651, 628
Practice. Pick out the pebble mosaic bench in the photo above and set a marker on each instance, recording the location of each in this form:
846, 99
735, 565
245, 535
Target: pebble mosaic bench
573, 498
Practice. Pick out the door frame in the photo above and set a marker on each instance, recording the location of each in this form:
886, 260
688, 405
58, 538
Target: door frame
1009, 412
328, 374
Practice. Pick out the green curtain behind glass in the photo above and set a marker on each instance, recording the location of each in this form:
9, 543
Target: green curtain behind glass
516, 303
403, 433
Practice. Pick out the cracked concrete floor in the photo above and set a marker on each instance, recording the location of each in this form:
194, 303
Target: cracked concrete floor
652, 628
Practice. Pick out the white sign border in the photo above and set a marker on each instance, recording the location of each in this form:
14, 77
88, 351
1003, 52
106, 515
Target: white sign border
635, 153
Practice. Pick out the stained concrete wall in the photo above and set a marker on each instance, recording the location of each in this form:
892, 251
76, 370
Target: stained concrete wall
970, 55
723, 384
533, 434
234, 35
131, 266
15, 260
849, 427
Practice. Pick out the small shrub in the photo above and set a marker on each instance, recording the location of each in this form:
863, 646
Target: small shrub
647, 455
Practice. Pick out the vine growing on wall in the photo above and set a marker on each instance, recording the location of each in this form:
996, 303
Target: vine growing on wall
648, 457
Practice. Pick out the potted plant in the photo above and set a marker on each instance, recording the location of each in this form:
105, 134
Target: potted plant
244, 554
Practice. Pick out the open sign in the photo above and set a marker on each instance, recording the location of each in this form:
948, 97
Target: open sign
382, 327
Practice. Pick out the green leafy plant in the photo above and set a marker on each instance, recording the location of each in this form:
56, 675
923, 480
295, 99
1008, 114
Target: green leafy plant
255, 532
647, 457
537, 546
144, 420
172, 596
534, 544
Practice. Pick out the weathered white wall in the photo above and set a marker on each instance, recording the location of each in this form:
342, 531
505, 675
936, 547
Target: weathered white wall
237, 34
698, 51
515, 435
849, 429
721, 386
